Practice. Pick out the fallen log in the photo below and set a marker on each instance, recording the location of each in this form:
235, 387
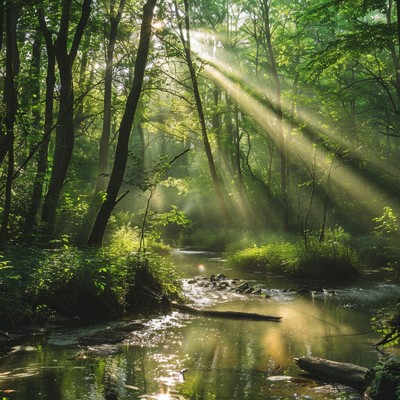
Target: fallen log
338, 372
225, 314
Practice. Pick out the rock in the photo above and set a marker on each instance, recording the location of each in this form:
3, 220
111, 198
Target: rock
221, 277
257, 292
241, 288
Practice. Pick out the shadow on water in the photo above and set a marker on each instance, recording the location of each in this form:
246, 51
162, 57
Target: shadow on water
179, 356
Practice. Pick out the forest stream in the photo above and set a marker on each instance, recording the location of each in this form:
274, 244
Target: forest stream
181, 356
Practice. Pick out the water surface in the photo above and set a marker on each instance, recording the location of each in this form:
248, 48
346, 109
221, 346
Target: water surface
184, 357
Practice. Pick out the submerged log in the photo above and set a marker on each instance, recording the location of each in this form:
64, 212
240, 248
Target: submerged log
225, 314
332, 371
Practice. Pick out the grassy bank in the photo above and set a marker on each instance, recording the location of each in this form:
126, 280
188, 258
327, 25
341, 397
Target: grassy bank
331, 258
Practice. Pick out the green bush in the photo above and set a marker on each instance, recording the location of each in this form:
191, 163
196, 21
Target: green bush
277, 257
331, 258
38, 283
204, 239
386, 382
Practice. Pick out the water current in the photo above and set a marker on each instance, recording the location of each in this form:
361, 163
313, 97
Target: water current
180, 356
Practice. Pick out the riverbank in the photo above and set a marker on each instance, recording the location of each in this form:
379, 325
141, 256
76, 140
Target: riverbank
41, 286
183, 355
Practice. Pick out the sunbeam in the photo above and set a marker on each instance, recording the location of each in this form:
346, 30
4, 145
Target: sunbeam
221, 68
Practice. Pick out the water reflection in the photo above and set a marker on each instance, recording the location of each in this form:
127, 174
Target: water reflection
182, 357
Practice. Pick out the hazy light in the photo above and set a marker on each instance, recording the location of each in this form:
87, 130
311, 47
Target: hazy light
221, 67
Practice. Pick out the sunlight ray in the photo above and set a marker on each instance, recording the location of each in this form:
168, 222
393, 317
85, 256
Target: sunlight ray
225, 61
350, 182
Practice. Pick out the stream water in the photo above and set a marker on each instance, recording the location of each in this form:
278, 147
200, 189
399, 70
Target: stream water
185, 357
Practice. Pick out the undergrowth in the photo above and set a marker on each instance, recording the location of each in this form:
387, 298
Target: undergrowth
331, 258
37, 284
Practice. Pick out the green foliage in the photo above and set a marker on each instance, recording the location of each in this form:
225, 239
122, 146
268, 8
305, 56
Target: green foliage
39, 283
274, 257
387, 323
207, 239
332, 258
381, 248
12, 307
387, 223
155, 274
386, 381
157, 222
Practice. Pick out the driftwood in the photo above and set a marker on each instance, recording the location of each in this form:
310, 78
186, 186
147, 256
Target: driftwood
225, 314
338, 372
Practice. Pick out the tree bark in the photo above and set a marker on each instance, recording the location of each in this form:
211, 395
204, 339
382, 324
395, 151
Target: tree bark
199, 106
338, 372
225, 314
41, 170
11, 104
65, 129
105, 136
121, 152
277, 101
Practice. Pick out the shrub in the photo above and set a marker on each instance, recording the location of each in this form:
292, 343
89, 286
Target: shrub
88, 282
272, 257
204, 239
386, 382
331, 258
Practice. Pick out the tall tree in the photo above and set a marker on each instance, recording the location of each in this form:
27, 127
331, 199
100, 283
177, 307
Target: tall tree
121, 152
11, 105
65, 56
277, 103
41, 169
108, 81
184, 34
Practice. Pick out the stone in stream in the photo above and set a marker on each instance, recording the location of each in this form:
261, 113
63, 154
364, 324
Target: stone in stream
241, 288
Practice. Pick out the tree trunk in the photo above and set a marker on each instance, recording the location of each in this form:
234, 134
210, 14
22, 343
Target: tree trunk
337, 372
121, 152
277, 101
65, 128
199, 106
11, 104
2, 13
225, 314
41, 170
105, 136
